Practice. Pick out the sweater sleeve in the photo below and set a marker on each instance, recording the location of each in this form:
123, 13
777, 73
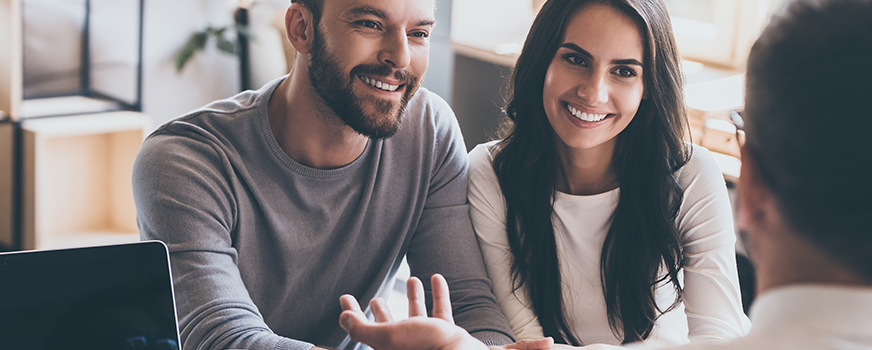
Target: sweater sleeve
184, 197
445, 243
488, 213
712, 297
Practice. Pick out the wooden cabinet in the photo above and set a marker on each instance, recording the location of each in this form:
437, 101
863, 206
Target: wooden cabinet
76, 179
7, 184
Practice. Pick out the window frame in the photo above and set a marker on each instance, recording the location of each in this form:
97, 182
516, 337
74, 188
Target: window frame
738, 24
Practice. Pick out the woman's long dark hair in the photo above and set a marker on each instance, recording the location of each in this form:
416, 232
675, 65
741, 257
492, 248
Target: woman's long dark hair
643, 247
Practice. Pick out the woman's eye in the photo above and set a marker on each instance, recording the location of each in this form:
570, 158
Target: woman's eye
625, 72
575, 60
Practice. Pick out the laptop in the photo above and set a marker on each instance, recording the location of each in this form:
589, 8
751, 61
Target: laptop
104, 297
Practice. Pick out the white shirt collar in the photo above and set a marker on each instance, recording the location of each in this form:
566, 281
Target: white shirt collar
814, 308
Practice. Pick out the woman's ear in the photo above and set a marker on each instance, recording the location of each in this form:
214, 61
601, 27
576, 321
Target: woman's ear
299, 27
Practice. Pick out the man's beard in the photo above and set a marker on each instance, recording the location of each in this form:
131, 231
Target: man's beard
337, 91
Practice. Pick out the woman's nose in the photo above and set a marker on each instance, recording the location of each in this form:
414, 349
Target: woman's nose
594, 89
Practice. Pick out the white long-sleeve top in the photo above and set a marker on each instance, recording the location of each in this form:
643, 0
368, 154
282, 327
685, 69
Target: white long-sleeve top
712, 306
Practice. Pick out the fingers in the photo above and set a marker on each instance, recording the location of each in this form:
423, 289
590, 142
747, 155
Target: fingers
355, 324
416, 296
348, 302
352, 318
354, 321
441, 298
380, 310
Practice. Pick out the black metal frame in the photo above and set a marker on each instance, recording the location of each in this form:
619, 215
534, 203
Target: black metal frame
85, 66
85, 90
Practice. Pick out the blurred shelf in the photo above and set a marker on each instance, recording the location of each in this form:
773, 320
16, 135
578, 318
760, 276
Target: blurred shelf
76, 178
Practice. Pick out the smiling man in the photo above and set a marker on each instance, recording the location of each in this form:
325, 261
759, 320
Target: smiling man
275, 202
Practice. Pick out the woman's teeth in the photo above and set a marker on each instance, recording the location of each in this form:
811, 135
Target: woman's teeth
585, 116
379, 85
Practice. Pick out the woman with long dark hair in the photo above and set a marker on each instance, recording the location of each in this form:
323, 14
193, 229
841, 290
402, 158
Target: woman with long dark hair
597, 221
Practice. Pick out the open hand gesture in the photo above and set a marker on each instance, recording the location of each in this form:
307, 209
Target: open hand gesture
418, 332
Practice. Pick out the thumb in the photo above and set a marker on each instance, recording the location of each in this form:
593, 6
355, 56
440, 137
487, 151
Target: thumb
351, 317
352, 322
362, 330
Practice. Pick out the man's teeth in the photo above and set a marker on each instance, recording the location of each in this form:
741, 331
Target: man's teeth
379, 85
585, 116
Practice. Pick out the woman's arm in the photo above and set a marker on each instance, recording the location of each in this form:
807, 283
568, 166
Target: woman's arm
712, 298
488, 213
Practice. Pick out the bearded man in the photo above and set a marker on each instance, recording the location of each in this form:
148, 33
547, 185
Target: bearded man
275, 202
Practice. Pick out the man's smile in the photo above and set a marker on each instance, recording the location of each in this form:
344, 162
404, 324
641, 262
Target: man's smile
379, 84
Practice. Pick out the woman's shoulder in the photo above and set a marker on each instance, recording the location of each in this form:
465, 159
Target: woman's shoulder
483, 182
481, 157
701, 163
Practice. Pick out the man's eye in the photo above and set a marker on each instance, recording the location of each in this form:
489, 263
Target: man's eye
368, 24
420, 34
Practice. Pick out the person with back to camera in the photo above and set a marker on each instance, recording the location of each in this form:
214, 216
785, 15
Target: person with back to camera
598, 222
275, 202
804, 201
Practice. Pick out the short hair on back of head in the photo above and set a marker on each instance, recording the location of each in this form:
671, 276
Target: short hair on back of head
808, 119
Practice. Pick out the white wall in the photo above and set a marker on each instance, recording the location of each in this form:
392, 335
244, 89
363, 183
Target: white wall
211, 74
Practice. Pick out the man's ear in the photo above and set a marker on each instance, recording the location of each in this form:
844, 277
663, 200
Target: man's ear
756, 201
299, 27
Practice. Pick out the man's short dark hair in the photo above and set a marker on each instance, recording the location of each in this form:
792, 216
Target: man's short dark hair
808, 118
315, 7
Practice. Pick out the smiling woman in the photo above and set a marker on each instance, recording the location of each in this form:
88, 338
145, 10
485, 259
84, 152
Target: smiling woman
593, 88
597, 221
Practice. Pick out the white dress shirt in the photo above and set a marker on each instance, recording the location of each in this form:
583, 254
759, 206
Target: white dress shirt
817, 317
712, 308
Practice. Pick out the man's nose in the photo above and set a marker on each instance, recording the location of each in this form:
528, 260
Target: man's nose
395, 51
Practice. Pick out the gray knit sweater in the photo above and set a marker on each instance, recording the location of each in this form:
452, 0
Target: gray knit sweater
262, 246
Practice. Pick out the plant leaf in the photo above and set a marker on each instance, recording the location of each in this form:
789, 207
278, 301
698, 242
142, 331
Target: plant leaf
226, 45
196, 42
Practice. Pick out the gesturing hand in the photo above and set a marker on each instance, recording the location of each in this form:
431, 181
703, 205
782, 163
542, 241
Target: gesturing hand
418, 331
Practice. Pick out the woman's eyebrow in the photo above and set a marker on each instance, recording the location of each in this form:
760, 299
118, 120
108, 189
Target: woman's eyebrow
626, 61
576, 48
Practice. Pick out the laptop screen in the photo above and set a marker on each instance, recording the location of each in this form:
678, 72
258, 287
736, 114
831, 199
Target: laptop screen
105, 297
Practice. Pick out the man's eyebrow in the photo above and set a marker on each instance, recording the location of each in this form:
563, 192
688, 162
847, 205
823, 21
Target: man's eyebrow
627, 61
372, 11
427, 22
368, 10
